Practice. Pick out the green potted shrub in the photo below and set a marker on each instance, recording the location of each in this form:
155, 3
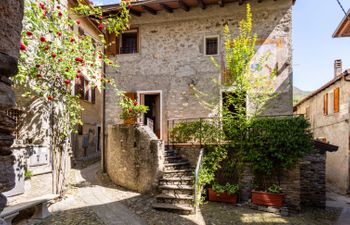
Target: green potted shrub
223, 193
272, 197
131, 110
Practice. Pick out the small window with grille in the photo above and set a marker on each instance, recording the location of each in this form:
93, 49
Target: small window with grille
211, 44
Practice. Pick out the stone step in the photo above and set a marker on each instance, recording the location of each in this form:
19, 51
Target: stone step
176, 181
183, 163
177, 173
171, 207
176, 187
175, 196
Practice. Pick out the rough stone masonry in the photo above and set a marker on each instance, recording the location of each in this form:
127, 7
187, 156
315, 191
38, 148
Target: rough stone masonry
11, 14
171, 57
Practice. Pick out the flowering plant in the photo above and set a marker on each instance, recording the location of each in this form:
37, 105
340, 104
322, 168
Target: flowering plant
131, 108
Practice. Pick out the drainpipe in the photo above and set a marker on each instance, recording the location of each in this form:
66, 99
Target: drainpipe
103, 153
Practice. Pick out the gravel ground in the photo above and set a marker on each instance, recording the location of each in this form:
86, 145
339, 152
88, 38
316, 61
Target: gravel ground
209, 213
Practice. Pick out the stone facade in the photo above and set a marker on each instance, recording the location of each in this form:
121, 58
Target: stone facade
171, 57
313, 188
134, 158
333, 128
11, 14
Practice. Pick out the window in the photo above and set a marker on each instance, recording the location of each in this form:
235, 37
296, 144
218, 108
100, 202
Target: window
211, 45
336, 100
83, 89
129, 42
325, 104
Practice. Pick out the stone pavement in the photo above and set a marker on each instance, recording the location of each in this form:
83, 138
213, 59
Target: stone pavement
340, 201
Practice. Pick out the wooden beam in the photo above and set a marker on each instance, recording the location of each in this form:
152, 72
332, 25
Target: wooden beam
221, 3
201, 4
135, 12
149, 9
184, 6
166, 8
259, 1
240, 2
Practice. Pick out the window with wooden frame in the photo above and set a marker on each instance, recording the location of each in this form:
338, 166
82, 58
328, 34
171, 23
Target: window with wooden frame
325, 104
211, 45
336, 100
129, 42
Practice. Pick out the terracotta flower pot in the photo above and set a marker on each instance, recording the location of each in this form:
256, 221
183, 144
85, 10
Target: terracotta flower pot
223, 197
267, 199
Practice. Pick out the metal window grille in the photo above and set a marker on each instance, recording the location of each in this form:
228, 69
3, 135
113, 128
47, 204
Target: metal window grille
211, 46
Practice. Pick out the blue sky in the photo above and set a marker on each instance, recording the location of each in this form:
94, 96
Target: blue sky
314, 22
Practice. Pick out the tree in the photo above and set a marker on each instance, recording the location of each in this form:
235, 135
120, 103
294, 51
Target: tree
53, 56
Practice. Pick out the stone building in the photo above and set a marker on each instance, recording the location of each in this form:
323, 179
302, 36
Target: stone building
11, 15
167, 51
165, 58
328, 112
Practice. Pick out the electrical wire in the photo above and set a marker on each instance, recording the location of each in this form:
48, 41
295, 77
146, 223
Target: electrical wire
342, 8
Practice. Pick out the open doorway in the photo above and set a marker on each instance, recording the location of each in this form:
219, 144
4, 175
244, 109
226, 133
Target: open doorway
153, 118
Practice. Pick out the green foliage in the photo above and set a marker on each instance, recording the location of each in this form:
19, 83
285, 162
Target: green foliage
277, 143
274, 189
28, 174
198, 131
230, 189
214, 155
130, 108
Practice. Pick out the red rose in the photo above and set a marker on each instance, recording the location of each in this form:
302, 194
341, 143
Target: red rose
59, 34
37, 66
29, 33
42, 39
67, 82
78, 76
49, 97
58, 7
22, 46
47, 47
91, 64
135, 103
77, 21
101, 26
109, 81
101, 17
53, 55
72, 40
78, 59
42, 6
100, 57
38, 75
44, 14
130, 110
59, 14
60, 60
78, 71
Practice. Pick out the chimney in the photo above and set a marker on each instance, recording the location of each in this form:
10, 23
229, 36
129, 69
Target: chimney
337, 67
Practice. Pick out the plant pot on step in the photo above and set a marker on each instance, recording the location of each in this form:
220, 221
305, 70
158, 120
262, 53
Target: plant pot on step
223, 197
267, 199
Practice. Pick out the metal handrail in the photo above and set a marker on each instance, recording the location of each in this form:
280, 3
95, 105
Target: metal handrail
196, 177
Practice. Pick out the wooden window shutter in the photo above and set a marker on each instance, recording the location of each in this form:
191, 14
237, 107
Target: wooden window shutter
112, 44
131, 95
325, 104
93, 95
336, 100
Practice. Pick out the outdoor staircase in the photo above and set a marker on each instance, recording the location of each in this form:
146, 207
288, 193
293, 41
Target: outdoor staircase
176, 185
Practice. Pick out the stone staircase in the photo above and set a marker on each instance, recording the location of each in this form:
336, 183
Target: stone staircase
176, 185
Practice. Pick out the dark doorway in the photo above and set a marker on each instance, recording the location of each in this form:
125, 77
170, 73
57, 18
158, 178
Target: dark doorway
153, 117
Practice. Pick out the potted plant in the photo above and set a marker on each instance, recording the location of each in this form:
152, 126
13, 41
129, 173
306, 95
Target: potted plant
223, 193
272, 197
131, 110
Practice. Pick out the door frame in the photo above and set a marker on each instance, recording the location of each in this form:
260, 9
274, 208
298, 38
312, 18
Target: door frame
150, 92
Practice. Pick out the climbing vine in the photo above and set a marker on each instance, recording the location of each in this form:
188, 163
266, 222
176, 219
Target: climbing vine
54, 56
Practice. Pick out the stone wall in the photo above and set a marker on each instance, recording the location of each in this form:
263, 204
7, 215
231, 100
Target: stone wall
171, 57
189, 152
11, 14
134, 157
313, 180
304, 185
